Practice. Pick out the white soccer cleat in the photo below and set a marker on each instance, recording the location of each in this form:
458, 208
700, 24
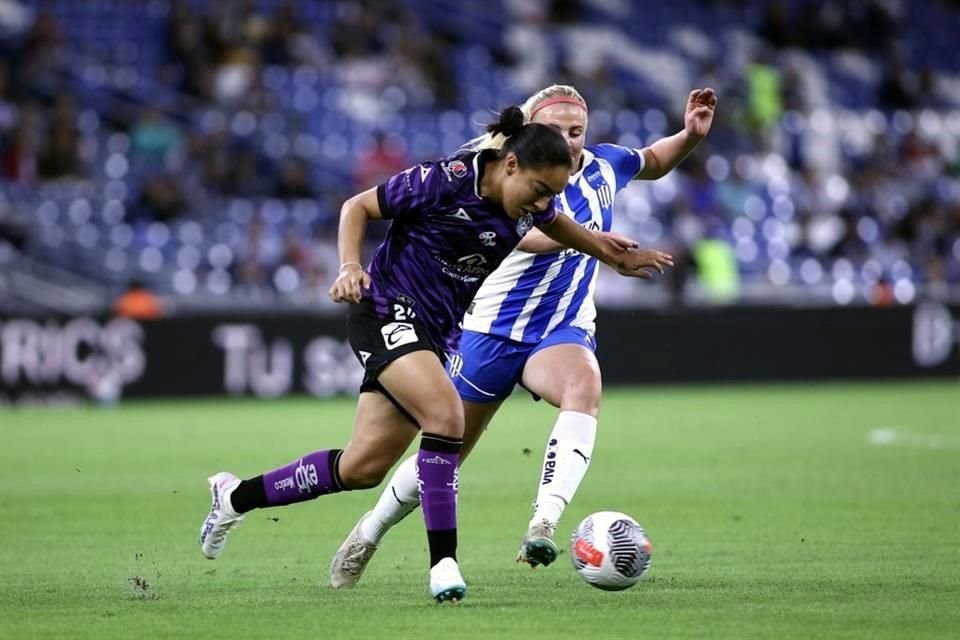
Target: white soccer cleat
446, 583
352, 558
538, 547
222, 517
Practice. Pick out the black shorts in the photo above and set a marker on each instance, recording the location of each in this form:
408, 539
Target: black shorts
378, 341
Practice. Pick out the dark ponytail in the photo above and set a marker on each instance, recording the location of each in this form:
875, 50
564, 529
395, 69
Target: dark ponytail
509, 123
534, 144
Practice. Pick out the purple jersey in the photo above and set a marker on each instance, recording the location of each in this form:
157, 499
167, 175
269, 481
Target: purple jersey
443, 241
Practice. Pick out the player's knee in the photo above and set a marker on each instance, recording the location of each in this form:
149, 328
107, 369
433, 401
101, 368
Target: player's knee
445, 421
366, 475
582, 394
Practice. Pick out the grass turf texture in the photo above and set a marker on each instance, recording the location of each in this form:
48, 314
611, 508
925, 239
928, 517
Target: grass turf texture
770, 513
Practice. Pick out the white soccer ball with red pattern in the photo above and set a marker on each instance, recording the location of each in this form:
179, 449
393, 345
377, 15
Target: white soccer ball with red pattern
610, 550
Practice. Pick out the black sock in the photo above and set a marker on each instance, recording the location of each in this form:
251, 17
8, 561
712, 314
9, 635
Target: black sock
249, 495
443, 544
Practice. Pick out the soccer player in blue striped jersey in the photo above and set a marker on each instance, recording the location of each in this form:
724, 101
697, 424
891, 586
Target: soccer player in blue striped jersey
532, 322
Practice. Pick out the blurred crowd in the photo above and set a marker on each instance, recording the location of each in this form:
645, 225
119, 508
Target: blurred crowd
789, 178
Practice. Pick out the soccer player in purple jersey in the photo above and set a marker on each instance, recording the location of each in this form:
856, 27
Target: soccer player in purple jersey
454, 221
554, 360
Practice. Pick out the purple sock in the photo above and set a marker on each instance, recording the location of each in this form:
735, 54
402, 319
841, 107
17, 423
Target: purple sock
437, 463
312, 476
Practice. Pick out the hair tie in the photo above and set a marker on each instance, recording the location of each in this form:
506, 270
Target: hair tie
558, 100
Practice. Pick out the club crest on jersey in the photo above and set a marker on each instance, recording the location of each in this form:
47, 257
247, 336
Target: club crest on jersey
524, 224
488, 238
455, 168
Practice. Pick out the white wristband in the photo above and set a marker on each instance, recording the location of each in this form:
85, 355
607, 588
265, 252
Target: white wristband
347, 264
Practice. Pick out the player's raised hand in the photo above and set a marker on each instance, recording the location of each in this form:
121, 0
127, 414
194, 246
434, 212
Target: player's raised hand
641, 263
349, 284
698, 116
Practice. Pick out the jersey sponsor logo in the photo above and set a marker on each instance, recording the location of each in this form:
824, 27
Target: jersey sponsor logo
524, 224
467, 269
488, 238
473, 263
550, 465
461, 214
397, 334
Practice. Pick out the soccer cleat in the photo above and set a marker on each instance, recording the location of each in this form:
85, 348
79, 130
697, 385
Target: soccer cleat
352, 558
222, 517
446, 583
538, 547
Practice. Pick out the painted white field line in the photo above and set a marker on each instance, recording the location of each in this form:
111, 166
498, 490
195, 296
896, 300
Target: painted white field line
888, 437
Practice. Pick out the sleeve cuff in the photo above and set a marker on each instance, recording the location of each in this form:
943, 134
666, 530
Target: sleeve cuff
385, 210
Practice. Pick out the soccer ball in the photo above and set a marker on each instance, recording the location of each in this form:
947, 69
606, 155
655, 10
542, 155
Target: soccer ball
610, 550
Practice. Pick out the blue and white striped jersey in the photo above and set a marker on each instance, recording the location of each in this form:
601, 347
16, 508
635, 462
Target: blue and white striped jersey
529, 295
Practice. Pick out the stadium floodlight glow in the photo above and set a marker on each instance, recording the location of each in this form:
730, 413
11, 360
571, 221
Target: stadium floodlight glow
121, 235
904, 291
80, 211
113, 212
901, 270
843, 269
779, 272
151, 259
783, 207
115, 259
755, 207
811, 271
184, 282
115, 190
837, 188
158, 234
868, 229
743, 228
746, 250
188, 257
718, 168
116, 166
843, 292
87, 236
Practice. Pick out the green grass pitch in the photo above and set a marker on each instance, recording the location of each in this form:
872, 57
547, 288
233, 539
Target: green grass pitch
771, 515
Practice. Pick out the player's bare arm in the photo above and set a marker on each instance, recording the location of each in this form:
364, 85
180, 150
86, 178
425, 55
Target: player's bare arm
354, 215
638, 263
537, 241
662, 156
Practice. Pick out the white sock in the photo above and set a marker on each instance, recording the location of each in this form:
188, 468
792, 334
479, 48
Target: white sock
565, 462
400, 497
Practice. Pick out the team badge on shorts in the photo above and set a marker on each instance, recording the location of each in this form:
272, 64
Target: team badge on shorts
397, 334
524, 224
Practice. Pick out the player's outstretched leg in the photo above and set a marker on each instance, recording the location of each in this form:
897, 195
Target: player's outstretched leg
565, 463
312, 476
400, 498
